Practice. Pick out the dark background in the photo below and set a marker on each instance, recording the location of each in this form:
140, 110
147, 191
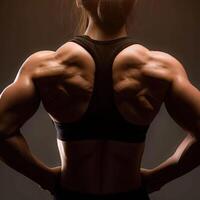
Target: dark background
165, 25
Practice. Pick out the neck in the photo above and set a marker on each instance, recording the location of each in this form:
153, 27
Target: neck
97, 33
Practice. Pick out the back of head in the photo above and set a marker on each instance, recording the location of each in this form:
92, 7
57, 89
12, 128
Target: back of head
109, 14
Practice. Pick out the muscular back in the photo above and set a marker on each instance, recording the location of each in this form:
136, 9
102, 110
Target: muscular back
63, 81
66, 78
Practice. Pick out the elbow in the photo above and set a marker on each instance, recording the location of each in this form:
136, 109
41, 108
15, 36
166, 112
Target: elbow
187, 146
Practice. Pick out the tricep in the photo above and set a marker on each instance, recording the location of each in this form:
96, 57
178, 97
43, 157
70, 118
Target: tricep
183, 104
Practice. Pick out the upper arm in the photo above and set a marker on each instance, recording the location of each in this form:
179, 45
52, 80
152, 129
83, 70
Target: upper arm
19, 100
183, 100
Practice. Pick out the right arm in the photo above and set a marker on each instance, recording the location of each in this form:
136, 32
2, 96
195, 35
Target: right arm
183, 104
18, 103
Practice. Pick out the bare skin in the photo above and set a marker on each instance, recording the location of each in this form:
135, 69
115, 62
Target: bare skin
63, 82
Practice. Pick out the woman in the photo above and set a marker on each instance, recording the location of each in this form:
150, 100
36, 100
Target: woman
101, 91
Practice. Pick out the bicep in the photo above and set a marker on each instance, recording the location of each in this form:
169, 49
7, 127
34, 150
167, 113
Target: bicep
183, 104
18, 102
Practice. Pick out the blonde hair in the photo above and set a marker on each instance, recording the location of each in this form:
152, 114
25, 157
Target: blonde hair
81, 17
103, 10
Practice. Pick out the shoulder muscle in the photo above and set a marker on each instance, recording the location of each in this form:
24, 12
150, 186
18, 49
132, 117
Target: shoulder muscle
20, 100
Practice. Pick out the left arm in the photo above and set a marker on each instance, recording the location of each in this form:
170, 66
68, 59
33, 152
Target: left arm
183, 104
184, 160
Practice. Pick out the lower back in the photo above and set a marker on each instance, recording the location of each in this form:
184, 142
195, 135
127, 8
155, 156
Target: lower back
100, 166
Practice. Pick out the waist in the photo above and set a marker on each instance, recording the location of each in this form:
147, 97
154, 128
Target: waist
100, 166
100, 185
101, 175
139, 193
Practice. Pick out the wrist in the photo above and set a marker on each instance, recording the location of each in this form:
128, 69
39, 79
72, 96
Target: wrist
46, 179
163, 173
150, 181
52, 179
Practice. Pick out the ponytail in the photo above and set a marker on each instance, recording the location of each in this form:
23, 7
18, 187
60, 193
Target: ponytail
109, 13
83, 22
80, 15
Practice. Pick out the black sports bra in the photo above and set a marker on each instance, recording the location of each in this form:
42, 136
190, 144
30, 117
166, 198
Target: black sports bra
102, 120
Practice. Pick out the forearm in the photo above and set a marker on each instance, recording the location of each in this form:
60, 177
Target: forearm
184, 160
16, 154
